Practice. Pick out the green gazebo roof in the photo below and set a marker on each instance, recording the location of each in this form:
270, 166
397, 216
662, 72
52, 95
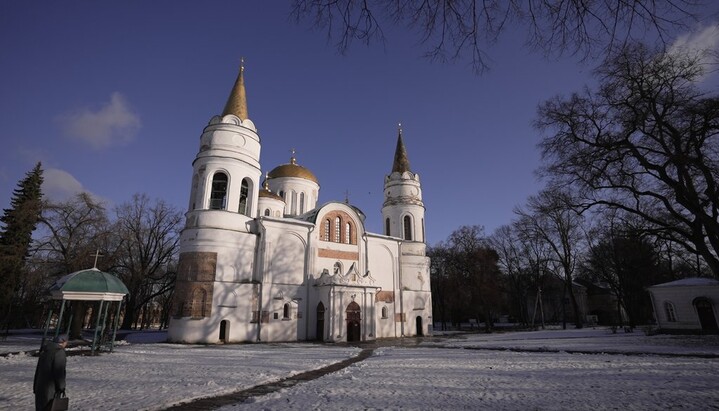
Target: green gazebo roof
91, 284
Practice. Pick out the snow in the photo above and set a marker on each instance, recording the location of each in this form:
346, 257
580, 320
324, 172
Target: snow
542, 370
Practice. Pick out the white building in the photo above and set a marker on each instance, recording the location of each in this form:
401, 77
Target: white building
265, 261
687, 304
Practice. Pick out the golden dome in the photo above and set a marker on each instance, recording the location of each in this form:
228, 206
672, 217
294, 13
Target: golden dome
269, 194
292, 170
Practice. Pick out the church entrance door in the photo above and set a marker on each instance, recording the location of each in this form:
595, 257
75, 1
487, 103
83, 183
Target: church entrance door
353, 322
320, 330
706, 315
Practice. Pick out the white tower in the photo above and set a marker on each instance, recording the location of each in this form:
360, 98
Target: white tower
226, 171
217, 245
403, 210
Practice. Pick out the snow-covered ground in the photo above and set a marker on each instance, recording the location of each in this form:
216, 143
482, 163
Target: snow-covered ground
657, 372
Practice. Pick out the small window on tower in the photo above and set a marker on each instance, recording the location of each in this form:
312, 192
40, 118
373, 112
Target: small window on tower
244, 193
408, 228
218, 194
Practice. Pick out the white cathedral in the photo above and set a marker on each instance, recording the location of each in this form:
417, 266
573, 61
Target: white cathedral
267, 262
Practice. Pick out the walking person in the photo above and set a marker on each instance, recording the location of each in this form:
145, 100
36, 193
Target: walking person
50, 372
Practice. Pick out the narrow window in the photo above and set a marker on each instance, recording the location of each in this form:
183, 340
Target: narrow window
244, 193
384, 312
423, 236
386, 226
218, 194
199, 299
326, 233
671, 315
348, 233
407, 228
267, 211
337, 268
338, 224
286, 311
302, 203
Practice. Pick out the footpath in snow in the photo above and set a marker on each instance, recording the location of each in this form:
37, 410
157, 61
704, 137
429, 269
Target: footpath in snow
660, 372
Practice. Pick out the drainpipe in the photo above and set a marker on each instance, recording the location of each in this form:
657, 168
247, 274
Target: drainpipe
259, 264
401, 287
309, 268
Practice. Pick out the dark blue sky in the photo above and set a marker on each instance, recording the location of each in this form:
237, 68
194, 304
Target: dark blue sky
113, 97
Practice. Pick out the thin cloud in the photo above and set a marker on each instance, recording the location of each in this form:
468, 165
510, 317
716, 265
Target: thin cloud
59, 185
703, 43
112, 124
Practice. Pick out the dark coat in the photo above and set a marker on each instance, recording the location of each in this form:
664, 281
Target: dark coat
49, 374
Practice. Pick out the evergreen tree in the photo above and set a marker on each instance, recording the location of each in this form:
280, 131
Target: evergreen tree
18, 223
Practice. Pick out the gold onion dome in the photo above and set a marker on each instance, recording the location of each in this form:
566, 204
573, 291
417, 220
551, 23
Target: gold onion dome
292, 170
266, 192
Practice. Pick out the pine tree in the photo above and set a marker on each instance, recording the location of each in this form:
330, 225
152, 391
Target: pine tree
18, 223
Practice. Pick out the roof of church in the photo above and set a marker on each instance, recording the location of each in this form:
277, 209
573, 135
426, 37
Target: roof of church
401, 162
292, 170
237, 101
689, 282
267, 193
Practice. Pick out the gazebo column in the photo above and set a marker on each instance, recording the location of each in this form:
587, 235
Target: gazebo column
114, 327
97, 325
59, 318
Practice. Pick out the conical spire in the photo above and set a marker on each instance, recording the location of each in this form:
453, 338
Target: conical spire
401, 162
237, 102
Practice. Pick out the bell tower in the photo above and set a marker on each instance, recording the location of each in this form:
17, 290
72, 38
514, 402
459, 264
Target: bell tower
403, 210
226, 171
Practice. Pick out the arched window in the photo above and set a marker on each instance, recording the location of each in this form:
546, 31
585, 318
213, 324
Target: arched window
195, 183
423, 236
286, 311
384, 312
244, 193
386, 226
282, 194
218, 193
293, 199
348, 233
326, 233
302, 203
267, 211
671, 314
407, 228
337, 268
338, 224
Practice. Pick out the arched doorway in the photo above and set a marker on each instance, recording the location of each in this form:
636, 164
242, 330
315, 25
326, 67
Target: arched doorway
419, 326
706, 315
320, 330
353, 322
224, 330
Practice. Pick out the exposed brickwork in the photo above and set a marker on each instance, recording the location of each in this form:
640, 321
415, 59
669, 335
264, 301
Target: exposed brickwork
384, 296
340, 255
344, 218
194, 285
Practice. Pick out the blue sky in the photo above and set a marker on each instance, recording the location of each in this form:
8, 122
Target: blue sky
113, 97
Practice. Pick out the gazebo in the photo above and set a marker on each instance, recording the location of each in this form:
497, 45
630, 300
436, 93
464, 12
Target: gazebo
88, 285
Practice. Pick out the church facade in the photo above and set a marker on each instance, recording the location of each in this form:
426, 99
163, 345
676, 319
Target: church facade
261, 259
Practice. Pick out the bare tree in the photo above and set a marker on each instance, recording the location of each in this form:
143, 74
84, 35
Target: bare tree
148, 239
71, 232
551, 219
455, 29
646, 142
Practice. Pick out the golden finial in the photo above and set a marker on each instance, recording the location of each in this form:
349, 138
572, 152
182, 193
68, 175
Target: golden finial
242, 64
399, 127
266, 186
293, 160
